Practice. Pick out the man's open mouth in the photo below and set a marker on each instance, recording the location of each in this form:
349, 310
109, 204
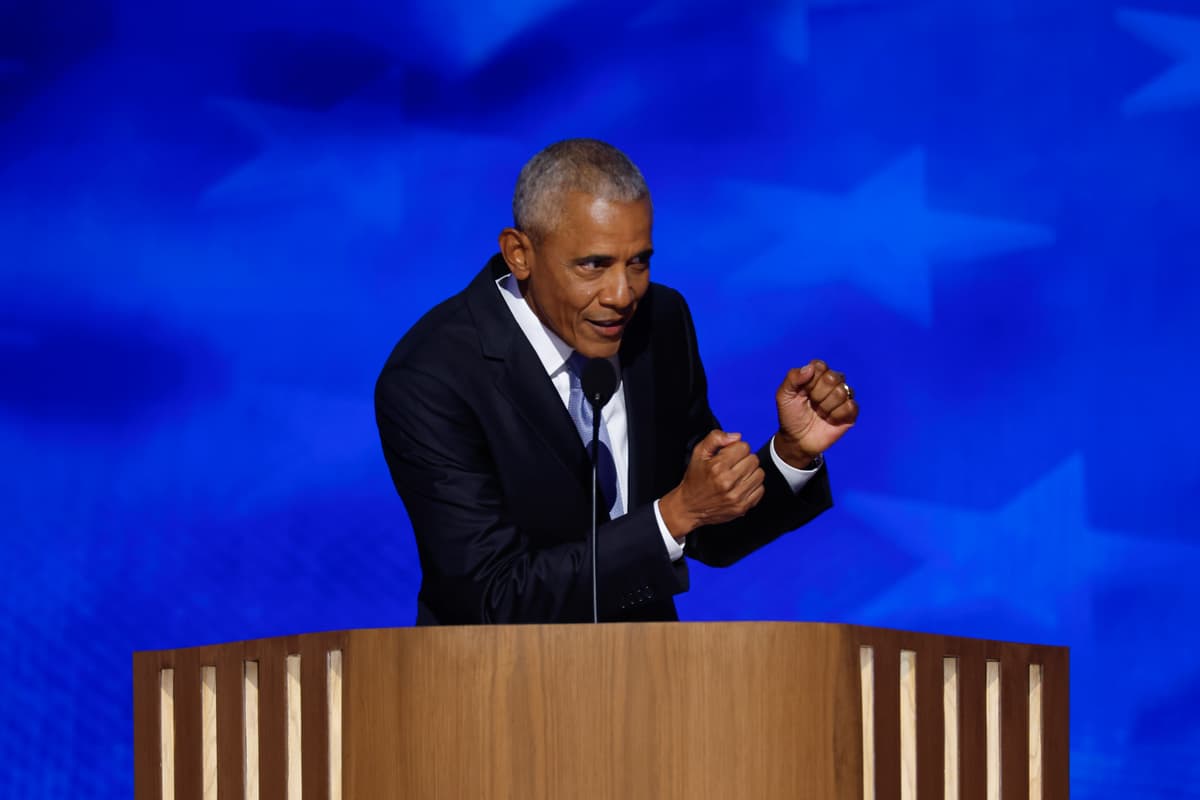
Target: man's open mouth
611, 328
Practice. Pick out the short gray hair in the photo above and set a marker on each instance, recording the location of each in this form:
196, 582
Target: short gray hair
572, 165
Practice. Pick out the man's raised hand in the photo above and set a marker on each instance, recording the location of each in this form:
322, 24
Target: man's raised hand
723, 481
816, 407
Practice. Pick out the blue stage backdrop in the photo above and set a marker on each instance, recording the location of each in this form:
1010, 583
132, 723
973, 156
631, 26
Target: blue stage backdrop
216, 219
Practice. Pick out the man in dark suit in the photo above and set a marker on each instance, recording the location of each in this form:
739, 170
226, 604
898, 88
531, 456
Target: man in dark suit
483, 427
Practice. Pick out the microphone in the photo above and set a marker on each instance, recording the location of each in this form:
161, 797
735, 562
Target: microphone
598, 380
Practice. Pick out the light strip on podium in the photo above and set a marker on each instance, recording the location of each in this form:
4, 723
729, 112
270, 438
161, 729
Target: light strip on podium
294, 731
950, 757
1035, 732
993, 730
333, 692
166, 732
250, 730
208, 731
908, 725
866, 668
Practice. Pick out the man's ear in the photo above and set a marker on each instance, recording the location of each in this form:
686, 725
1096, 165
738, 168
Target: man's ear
517, 250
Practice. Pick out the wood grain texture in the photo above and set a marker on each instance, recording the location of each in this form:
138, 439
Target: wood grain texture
315, 744
189, 774
1056, 722
295, 729
229, 723
950, 717
1014, 723
208, 731
908, 724
707, 710
272, 719
992, 694
250, 730
166, 733
333, 704
597, 711
887, 721
1035, 732
866, 680
972, 720
147, 779
930, 652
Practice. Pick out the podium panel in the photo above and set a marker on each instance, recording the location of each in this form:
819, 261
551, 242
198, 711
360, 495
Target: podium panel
643, 710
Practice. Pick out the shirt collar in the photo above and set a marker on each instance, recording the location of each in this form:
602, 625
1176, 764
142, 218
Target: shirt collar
551, 350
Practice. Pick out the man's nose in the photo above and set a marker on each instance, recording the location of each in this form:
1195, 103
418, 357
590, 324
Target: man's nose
617, 293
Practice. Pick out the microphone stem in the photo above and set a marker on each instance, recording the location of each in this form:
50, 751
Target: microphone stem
595, 502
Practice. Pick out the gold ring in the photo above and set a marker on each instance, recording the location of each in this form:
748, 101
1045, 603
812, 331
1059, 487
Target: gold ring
849, 391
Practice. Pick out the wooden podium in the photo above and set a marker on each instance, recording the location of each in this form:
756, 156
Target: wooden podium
672, 710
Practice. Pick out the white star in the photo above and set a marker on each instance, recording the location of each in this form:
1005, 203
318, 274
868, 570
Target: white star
336, 161
1037, 556
882, 237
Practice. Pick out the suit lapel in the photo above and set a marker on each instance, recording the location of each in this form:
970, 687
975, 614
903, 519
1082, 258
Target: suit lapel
524, 382
637, 377
519, 375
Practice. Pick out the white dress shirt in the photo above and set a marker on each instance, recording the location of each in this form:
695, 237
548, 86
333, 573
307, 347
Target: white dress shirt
553, 352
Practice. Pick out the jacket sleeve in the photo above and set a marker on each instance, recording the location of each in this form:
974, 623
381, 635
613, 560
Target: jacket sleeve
781, 510
478, 565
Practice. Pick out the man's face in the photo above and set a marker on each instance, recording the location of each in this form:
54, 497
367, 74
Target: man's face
584, 279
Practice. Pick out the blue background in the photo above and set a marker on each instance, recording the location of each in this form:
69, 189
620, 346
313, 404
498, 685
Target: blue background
216, 219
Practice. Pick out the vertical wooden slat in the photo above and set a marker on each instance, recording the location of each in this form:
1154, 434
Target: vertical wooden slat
333, 703
295, 731
229, 723
147, 738
272, 720
1035, 732
972, 731
994, 776
907, 678
951, 759
1056, 723
887, 722
250, 730
194, 724
314, 716
930, 678
866, 662
189, 772
166, 732
208, 732
1014, 723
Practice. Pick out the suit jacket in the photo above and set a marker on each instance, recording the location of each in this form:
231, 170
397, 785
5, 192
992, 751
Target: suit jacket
497, 482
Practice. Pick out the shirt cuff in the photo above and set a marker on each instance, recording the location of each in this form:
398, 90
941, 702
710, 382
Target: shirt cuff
796, 478
674, 548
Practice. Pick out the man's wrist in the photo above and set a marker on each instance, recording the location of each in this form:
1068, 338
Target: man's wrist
791, 452
674, 516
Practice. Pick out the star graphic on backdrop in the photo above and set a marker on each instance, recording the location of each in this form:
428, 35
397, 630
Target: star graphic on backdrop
350, 166
476, 31
882, 236
1178, 37
1037, 555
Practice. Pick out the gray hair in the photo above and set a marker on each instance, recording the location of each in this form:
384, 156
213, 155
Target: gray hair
572, 165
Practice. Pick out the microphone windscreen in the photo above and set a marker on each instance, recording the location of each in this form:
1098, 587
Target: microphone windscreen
598, 381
